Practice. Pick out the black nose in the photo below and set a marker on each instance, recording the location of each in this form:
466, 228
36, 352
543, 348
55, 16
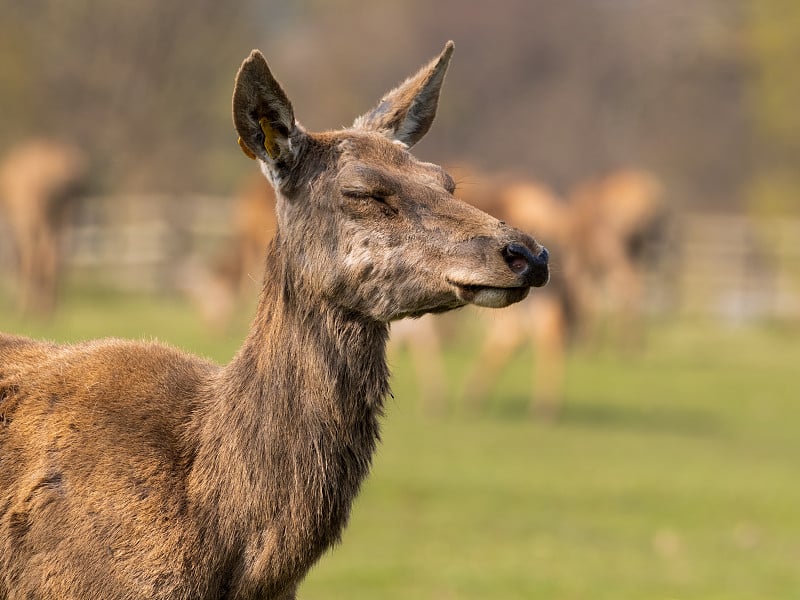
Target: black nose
532, 269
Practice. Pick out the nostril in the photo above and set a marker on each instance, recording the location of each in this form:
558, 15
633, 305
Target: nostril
543, 257
518, 258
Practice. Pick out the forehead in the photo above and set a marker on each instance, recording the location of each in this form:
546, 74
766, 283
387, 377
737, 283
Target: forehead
373, 156
374, 149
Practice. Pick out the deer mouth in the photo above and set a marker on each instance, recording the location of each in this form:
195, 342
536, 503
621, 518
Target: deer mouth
529, 269
489, 296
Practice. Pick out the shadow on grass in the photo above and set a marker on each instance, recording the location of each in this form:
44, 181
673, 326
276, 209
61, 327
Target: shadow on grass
610, 415
680, 421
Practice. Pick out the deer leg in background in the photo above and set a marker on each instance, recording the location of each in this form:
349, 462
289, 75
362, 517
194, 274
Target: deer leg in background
504, 333
26, 240
422, 341
549, 332
47, 267
626, 319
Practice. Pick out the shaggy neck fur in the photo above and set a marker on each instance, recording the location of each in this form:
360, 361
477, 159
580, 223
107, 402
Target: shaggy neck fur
288, 435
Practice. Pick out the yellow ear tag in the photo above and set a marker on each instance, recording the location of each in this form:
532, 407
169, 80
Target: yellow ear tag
246, 150
270, 145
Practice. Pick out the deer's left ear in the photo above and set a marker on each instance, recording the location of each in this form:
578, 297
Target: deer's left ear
263, 115
406, 113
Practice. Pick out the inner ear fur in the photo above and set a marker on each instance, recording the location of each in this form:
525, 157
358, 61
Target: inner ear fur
262, 114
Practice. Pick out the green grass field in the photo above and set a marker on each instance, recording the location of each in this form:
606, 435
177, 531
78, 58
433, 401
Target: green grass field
673, 473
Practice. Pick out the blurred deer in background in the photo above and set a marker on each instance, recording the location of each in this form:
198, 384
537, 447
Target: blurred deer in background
422, 339
134, 470
219, 288
39, 181
616, 225
601, 237
545, 321
602, 234
254, 225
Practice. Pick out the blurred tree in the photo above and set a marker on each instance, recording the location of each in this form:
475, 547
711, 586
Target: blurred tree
774, 44
560, 91
143, 84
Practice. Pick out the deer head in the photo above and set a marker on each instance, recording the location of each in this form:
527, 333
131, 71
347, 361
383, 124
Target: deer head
365, 226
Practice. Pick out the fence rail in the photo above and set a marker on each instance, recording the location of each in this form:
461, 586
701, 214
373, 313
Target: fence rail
738, 267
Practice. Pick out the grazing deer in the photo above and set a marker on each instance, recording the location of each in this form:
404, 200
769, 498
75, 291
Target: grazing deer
133, 470
38, 181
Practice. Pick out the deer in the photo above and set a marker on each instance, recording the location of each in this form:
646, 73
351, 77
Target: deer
136, 470
40, 180
545, 321
617, 224
602, 233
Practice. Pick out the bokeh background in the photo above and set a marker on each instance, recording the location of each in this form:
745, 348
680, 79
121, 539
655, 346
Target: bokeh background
665, 463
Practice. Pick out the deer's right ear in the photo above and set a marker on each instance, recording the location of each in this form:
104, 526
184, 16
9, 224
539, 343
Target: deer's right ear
263, 115
405, 114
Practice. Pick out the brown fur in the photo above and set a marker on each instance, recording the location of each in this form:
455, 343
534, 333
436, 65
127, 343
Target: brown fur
38, 183
133, 470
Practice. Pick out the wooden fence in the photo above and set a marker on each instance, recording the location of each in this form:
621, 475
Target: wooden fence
736, 267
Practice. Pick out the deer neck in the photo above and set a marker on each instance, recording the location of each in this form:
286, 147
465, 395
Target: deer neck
291, 425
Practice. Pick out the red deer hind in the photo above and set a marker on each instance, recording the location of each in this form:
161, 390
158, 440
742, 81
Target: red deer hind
133, 470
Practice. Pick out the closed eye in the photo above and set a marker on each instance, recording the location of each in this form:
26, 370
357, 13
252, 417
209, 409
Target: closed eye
363, 195
378, 196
